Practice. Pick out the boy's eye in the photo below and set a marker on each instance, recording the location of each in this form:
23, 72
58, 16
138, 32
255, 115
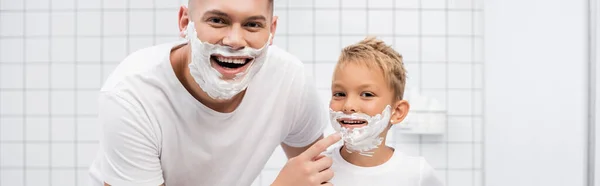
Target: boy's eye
367, 94
339, 94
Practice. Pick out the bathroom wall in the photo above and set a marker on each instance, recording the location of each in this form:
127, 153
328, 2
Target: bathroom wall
55, 54
536, 92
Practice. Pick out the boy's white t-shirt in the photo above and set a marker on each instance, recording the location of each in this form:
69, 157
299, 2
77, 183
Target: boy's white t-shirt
155, 132
399, 170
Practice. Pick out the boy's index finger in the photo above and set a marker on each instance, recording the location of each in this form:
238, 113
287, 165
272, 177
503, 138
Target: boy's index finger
321, 146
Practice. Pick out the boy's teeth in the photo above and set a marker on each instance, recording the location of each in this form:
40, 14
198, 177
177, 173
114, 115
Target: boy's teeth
231, 60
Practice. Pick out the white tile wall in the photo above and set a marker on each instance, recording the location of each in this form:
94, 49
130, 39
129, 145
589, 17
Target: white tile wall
379, 22
62, 50
63, 155
12, 177
12, 155
87, 129
42, 177
12, 24
11, 129
11, 77
12, 50
36, 129
63, 177
63, 129
37, 155
327, 22
55, 54
354, 21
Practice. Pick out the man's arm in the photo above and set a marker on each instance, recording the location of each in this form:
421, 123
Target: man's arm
310, 119
129, 142
291, 152
309, 167
106, 184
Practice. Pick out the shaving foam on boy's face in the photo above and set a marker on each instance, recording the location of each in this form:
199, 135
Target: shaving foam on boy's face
361, 132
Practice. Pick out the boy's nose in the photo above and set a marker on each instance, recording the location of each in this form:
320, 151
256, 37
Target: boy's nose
349, 108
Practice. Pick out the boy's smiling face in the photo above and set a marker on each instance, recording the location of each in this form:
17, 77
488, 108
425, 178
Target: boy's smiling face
358, 88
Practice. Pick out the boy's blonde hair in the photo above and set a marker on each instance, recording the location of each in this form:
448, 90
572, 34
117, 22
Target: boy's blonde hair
373, 52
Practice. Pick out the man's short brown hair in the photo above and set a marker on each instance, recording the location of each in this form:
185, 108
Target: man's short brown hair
271, 6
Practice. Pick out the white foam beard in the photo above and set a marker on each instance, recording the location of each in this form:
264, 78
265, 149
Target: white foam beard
208, 78
363, 139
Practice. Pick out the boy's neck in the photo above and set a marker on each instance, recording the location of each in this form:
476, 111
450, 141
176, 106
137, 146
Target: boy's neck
380, 156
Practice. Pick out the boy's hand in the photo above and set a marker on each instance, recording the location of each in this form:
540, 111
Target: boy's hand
309, 168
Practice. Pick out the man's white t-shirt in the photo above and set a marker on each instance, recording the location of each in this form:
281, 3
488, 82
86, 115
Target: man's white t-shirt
155, 131
399, 170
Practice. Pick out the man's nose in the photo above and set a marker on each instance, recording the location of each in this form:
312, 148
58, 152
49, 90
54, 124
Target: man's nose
235, 38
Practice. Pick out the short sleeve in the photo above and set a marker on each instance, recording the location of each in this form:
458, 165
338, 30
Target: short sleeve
310, 118
428, 176
129, 143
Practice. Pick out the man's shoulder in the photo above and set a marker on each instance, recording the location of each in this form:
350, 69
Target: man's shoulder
138, 63
282, 69
281, 57
282, 65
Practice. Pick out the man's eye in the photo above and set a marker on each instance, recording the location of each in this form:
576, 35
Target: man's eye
339, 94
216, 20
254, 25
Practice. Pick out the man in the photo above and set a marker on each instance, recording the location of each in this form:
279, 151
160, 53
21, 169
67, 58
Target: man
211, 110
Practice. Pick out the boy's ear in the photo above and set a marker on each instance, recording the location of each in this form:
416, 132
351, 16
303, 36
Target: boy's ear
399, 110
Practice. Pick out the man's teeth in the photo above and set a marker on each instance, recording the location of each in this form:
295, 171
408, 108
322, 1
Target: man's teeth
232, 60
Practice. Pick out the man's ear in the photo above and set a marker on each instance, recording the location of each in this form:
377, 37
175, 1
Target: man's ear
273, 28
399, 110
184, 19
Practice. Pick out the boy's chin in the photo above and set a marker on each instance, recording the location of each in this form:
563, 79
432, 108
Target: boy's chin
348, 126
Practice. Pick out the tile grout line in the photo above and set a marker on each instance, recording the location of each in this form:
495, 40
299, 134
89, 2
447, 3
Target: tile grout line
76, 92
50, 39
1, 110
24, 95
482, 130
447, 87
473, 107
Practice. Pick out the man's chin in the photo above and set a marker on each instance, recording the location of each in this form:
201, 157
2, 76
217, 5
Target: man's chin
234, 98
228, 77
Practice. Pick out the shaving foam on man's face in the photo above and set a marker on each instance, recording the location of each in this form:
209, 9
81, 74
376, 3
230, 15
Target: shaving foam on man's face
361, 132
212, 64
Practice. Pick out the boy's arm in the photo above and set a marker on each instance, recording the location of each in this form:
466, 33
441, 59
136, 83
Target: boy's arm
129, 143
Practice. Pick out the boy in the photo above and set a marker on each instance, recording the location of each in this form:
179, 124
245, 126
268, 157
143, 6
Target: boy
367, 90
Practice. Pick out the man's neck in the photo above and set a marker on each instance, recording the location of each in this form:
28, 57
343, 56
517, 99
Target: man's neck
379, 156
179, 61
